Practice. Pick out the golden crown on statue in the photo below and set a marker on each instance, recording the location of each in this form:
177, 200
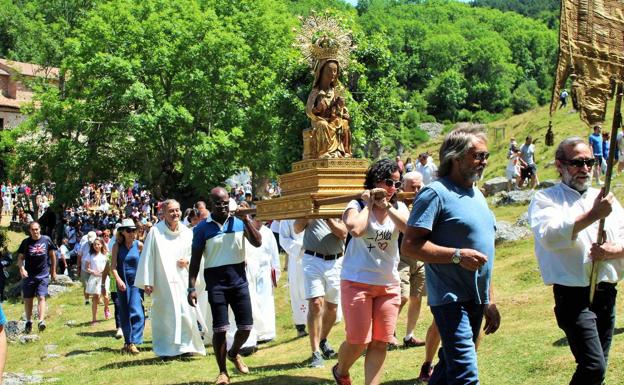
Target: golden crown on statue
321, 38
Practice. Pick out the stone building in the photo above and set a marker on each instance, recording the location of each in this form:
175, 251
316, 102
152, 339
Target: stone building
14, 89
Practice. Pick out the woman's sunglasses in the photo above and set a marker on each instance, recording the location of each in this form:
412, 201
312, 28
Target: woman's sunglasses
393, 183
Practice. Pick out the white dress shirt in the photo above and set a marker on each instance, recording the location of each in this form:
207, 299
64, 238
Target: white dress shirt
429, 172
563, 260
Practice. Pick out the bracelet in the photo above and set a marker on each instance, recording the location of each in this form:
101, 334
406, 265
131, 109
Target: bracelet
190, 290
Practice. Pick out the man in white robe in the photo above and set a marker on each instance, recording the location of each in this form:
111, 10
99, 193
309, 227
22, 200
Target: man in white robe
264, 269
163, 273
292, 243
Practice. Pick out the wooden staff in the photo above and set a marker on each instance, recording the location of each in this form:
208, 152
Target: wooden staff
617, 120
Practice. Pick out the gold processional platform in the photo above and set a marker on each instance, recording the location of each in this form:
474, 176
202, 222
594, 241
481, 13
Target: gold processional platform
308, 190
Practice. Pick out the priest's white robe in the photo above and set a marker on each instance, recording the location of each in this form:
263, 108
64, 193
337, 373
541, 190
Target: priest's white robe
292, 243
261, 262
174, 322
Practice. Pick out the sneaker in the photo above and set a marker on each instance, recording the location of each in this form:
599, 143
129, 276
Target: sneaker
42, 326
425, 372
412, 342
238, 363
392, 346
340, 380
316, 361
222, 379
327, 350
119, 333
28, 327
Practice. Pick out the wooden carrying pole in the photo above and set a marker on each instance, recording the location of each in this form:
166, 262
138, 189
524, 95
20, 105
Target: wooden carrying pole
402, 196
617, 121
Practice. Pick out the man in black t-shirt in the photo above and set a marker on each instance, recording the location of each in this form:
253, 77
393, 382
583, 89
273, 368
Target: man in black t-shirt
36, 261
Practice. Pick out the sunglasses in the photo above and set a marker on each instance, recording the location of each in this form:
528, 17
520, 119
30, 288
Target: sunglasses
579, 163
129, 230
393, 183
481, 156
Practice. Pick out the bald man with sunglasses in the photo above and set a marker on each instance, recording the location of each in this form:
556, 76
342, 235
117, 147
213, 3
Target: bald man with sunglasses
564, 219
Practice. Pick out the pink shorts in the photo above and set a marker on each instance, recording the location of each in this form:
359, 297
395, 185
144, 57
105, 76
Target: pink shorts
370, 311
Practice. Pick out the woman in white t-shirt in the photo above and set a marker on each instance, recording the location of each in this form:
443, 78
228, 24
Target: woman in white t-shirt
95, 266
370, 292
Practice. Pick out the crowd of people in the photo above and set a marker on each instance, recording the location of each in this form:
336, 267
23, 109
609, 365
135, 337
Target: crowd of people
213, 264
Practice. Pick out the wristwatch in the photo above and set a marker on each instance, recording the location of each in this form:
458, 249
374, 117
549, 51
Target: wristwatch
190, 290
456, 257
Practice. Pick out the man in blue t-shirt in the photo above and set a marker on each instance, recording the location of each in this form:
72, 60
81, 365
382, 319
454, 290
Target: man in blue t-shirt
36, 260
452, 230
219, 241
595, 144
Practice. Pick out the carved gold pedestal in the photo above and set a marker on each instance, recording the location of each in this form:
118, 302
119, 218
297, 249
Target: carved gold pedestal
311, 180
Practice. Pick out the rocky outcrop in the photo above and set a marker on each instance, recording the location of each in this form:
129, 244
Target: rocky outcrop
517, 197
506, 232
495, 185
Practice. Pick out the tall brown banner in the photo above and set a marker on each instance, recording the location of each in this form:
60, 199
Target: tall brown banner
591, 52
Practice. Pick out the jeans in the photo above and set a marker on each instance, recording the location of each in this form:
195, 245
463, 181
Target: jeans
589, 329
459, 324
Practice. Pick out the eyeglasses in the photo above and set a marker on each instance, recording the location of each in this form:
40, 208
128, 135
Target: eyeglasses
579, 163
481, 156
393, 183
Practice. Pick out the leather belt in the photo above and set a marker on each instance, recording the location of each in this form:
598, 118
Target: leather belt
329, 257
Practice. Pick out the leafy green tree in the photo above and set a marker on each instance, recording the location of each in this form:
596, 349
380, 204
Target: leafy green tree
446, 94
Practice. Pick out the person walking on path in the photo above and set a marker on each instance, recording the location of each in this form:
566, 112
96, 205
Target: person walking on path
323, 243
36, 259
370, 283
124, 262
452, 230
218, 241
564, 220
163, 273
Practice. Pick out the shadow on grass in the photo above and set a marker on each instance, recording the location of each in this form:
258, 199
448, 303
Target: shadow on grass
403, 382
276, 380
564, 340
286, 366
143, 362
99, 333
102, 349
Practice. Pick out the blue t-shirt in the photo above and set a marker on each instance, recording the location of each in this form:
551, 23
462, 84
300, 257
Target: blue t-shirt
595, 142
36, 259
3, 319
220, 244
459, 218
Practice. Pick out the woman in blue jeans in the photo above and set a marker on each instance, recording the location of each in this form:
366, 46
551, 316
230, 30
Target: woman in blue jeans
124, 260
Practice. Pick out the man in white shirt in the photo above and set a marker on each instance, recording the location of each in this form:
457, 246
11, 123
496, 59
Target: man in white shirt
427, 169
564, 219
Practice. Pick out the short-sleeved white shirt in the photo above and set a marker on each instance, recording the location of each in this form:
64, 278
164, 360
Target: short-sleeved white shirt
373, 258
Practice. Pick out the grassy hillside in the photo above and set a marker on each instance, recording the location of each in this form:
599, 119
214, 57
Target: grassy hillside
565, 122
